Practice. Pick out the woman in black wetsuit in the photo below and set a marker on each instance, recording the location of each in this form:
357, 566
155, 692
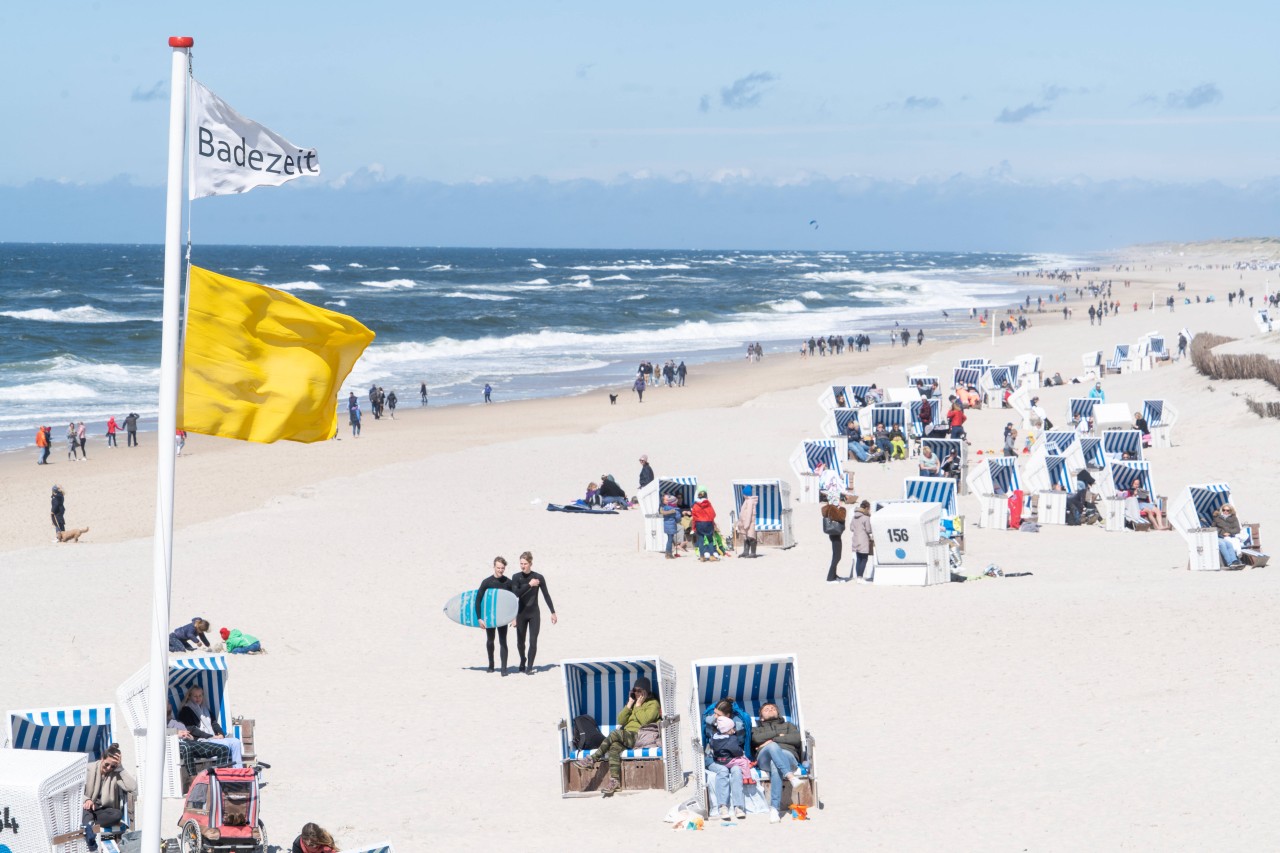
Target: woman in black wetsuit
526, 585
494, 581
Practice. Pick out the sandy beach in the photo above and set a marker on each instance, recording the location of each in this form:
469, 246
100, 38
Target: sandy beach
1110, 700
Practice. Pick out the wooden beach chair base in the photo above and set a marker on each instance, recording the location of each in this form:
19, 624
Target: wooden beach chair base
643, 774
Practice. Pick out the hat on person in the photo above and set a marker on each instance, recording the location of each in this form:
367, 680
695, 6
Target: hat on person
57, 488
644, 684
224, 632
644, 457
746, 491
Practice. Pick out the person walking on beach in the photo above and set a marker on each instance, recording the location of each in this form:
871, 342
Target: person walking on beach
131, 429
646, 472
681, 372
497, 580
391, 404
58, 511
920, 338
488, 393
72, 443
638, 387
526, 585
354, 415
423, 391
81, 437
42, 446
833, 517
112, 426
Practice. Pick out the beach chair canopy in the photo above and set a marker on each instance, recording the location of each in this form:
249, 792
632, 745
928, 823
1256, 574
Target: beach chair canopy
1112, 416
840, 394
1156, 345
207, 671
1060, 439
890, 415
997, 376
1158, 413
1092, 450
937, 416
751, 682
1116, 443
1046, 470
995, 475
599, 689
935, 490
842, 419
858, 394
925, 382
1193, 508
1065, 443
1020, 402
1026, 363
1092, 359
821, 452
1081, 407
82, 728
965, 376
980, 363
1120, 353
684, 488
1123, 473
944, 447
902, 396
769, 506
916, 370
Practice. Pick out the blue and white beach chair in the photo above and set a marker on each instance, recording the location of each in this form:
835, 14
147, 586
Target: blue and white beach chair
1028, 365
1065, 443
835, 423
1116, 443
773, 511
806, 458
1160, 416
963, 377
835, 397
1121, 474
858, 395
1045, 470
937, 418
889, 414
932, 490
1081, 407
752, 683
1191, 514
684, 488
943, 448
980, 363
1091, 449
599, 689
992, 480
924, 383
1119, 359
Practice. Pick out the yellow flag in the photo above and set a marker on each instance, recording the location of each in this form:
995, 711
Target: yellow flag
262, 365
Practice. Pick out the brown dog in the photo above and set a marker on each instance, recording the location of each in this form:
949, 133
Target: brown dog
72, 535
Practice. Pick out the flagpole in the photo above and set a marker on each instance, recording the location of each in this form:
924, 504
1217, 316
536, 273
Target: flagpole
158, 692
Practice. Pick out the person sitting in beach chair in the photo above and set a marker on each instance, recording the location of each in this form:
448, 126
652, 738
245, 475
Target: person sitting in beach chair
723, 749
196, 750
107, 789
1147, 507
777, 745
1230, 540
951, 466
1079, 509
897, 443
880, 437
930, 465
1140, 424
638, 728
195, 714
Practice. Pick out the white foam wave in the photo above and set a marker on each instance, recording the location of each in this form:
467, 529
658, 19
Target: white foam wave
341, 303
436, 268
297, 285
319, 267
41, 392
633, 298
536, 281
618, 277
259, 268
673, 310
788, 306
579, 278
78, 314
391, 285
485, 297
533, 262
393, 269
691, 279
356, 266
812, 294
808, 266
621, 266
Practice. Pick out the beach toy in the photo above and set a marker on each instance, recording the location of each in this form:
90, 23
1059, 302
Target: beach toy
798, 812
979, 452
692, 823
498, 608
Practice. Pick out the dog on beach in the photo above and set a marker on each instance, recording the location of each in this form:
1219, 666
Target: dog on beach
72, 535
613, 399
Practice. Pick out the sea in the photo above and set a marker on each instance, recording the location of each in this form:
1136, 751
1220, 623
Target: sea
80, 324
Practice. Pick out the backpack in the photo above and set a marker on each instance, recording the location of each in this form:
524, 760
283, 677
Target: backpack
586, 733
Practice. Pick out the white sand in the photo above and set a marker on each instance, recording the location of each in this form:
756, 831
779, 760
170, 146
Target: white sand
1112, 700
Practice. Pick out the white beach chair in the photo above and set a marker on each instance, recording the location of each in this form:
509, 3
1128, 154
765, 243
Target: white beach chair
1044, 470
1081, 406
1160, 416
963, 377
1028, 365
1117, 443
1191, 514
835, 423
1093, 364
808, 455
599, 688
1112, 416
1264, 320
979, 362
650, 497
916, 370
1118, 363
773, 511
750, 682
943, 448
42, 794
834, 396
992, 480
1065, 443
903, 396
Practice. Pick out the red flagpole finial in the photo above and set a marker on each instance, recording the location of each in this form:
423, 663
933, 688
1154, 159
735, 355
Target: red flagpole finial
181, 41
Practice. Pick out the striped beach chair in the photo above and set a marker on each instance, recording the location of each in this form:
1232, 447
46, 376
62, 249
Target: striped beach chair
858, 395
751, 683
1028, 365
937, 418
834, 396
773, 511
1119, 356
83, 728
997, 376
932, 490
1191, 514
992, 480
1065, 443
1081, 407
924, 383
980, 363
1160, 416
1116, 443
889, 414
1046, 470
1091, 448
943, 448
684, 488
599, 688
1121, 474
965, 376
806, 458
836, 422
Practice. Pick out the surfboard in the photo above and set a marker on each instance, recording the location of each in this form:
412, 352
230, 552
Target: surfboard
498, 607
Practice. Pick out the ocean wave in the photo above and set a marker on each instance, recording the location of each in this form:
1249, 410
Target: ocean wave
579, 278
788, 306
634, 298
79, 314
618, 277
436, 268
536, 281
319, 267
533, 262
297, 285
341, 303
259, 269
356, 266
673, 310
486, 297
98, 373
42, 392
689, 279
812, 294
620, 266
391, 285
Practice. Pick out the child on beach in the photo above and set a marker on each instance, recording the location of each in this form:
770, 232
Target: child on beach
719, 744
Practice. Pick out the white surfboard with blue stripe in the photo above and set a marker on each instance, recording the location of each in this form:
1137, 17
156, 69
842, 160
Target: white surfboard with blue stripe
497, 608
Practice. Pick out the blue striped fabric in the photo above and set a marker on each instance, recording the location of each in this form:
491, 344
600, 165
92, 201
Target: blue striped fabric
890, 415
937, 490
1123, 474
843, 416
81, 729
1058, 440
751, 685
1207, 498
1157, 345
938, 416
1082, 407
599, 689
1058, 473
821, 451
1000, 375
1121, 353
944, 447
684, 488
841, 395
769, 505
1153, 412
1004, 475
1117, 442
974, 362
964, 376
1092, 450
207, 671
858, 394
926, 381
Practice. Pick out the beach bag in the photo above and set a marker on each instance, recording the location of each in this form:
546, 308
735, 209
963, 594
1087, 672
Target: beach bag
831, 527
648, 737
586, 734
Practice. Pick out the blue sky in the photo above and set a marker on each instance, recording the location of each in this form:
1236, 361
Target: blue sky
766, 98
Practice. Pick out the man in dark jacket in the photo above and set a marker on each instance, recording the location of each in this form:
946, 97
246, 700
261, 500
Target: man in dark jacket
611, 493
58, 512
646, 473
777, 746
131, 429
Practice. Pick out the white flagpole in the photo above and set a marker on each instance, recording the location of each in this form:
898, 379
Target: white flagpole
158, 691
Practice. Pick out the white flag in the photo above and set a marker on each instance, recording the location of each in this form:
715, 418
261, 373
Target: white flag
231, 154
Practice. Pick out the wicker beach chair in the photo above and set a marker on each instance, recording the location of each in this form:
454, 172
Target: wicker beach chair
992, 480
806, 458
773, 511
684, 488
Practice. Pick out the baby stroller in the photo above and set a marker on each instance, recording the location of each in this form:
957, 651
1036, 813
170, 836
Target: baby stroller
221, 813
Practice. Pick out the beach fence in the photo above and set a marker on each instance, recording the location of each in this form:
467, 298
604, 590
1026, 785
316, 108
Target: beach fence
684, 488
42, 799
993, 480
1160, 416
1191, 514
599, 688
751, 683
774, 527
808, 456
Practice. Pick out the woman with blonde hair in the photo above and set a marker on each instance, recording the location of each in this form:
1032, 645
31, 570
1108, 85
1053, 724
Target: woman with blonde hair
314, 839
1229, 539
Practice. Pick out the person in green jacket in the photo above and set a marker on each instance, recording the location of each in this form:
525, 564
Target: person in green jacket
642, 709
240, 643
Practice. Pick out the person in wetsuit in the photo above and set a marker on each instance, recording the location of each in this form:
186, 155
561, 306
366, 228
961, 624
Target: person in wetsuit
526, 585
494, 581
